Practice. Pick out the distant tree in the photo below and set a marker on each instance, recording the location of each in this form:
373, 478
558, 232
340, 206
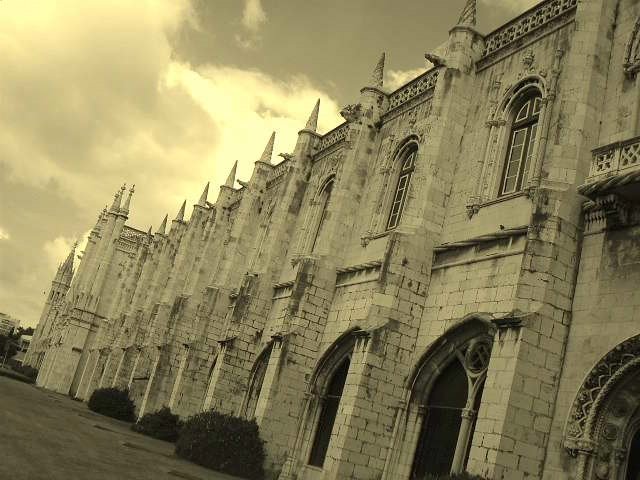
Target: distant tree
18, 332
8, 347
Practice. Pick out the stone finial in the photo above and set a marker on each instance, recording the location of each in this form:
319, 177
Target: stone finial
203, 198
377, 76
312, 123
117, 199
231, 179
180, 215
127, 203
163, 226
268, 150
468, 15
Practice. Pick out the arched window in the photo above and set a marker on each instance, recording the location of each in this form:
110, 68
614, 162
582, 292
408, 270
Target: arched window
256, 382
328, 413
522, 142
321, 211
448, 397
407, 159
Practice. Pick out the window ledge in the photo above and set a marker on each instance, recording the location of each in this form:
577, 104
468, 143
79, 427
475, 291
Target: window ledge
472, 209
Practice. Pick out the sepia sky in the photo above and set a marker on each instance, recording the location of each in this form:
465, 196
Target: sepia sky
166, 94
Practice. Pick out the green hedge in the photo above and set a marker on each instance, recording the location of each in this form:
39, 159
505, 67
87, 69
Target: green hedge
224, 443
162, 425
114, 403
27, 371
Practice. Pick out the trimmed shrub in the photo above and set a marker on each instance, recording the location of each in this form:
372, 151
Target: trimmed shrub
224, 443
112, 403
27, 371
454, 476
162, 425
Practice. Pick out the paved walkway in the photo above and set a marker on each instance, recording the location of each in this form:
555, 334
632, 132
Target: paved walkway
45, 436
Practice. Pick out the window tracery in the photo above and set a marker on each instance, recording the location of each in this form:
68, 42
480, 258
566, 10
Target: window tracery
509, 162
522, 142
322, 202
446, 391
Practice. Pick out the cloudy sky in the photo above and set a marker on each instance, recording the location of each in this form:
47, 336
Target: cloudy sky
166, 94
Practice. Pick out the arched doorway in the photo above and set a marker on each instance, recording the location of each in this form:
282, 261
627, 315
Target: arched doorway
448, 411
328, 413
603, 428
436, 425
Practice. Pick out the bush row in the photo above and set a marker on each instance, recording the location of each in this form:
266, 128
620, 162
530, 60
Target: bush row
214, 440
221, 442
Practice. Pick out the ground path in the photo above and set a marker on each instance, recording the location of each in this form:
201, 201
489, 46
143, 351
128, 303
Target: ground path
46, 436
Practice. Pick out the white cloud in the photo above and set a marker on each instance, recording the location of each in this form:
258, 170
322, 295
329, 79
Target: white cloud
253, 15
92, 97
246, 106
397, 78
56, 250
4, 235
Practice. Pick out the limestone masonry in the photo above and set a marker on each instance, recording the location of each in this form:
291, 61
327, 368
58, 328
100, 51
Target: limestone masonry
446, 281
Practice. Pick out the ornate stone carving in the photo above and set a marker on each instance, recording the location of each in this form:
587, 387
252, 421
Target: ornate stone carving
421, 85
333, 137
351, 113
543, 17
632, 56
598, 383
614, 209
477, 356
436, 60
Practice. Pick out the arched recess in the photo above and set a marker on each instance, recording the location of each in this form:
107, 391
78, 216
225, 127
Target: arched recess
500, 138
632, 53
444, 394
317, 214
323, 399
397, 172
602, 430
256, 380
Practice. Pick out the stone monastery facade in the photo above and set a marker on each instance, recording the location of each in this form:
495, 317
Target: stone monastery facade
446, 281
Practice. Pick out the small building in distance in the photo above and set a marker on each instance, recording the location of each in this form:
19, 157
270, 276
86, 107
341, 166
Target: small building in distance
8, 324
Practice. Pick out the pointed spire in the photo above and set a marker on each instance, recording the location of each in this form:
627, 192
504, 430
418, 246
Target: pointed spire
163, 226
312, 123
231, 179
180, 215
268, 150
203, 198
65, 271
117, 199
378, 73
468, 15
127, 203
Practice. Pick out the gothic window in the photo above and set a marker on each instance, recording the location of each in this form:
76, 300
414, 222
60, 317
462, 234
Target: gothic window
328, 413
256, 382
406, 162
448, 408
522, 142
441, 424
321, 211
